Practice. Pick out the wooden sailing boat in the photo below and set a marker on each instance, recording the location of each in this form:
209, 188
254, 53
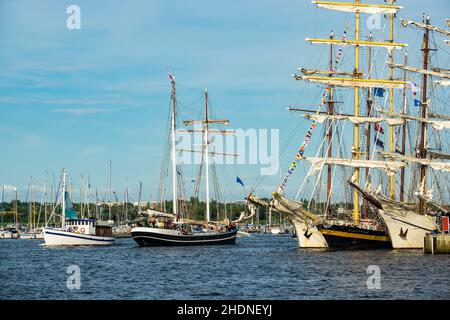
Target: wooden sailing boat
339, 233
167, 229
408, 225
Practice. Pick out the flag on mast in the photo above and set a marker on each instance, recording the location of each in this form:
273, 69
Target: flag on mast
379, 128
172, 78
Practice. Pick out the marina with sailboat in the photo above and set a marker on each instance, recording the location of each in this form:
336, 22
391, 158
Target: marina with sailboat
362, 170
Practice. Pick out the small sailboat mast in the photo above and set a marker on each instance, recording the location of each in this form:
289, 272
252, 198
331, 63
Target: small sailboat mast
63, 199
110, 191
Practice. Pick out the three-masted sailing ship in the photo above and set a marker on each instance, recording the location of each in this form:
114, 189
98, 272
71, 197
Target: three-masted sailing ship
162, 228
377, 221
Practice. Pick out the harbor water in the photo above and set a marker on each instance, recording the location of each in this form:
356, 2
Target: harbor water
257, 267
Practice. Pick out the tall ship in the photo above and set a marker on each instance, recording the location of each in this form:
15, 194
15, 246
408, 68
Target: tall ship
160, 227
352, 216
75, 231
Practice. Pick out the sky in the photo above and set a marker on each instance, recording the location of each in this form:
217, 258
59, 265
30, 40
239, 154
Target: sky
76, 99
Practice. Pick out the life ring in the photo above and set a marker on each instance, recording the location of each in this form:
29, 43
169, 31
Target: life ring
82, 230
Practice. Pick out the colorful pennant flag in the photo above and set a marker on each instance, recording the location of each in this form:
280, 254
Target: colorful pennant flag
238, 180
302, 148
417, 103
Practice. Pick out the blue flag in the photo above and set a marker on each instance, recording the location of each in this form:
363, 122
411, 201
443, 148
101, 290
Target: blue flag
378, 92
379, 143
417, 103
238, 180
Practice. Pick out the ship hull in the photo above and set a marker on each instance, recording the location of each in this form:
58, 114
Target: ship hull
55, 237
151, 237
408, 231
354, 238
309, 237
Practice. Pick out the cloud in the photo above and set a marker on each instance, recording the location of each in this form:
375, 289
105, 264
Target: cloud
81, 111
8, 187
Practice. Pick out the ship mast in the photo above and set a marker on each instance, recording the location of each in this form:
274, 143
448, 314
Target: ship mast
174, 156
423, 133
16, 215
3, 207
110, 190
369, 126
391, 98
63, 199
330, 129
404, 110
206, 150
356, 126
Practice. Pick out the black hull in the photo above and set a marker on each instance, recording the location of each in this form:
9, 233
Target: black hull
355, 238
153, 239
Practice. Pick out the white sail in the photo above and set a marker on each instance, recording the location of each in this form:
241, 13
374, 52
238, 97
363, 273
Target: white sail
436, 165
391, 167
354, 82
357, 120
357, 7
310, 72
421, 71
437, 125
406, 23
444, 83
360, 43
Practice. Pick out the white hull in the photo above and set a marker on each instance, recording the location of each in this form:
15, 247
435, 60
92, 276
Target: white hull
28, 236
275, 231
408, 231
58, 237
308, 237
8, 235
242, 234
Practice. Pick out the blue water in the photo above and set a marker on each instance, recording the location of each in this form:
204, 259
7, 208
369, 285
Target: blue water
257, 267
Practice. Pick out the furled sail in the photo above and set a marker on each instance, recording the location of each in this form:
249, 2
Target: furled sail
310, 72
295, 207
406, 23
355, 82
421, 71
391, 167
357, 7
357, 120
360, 43
438, 155
439, 166
436, 124
444, 83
